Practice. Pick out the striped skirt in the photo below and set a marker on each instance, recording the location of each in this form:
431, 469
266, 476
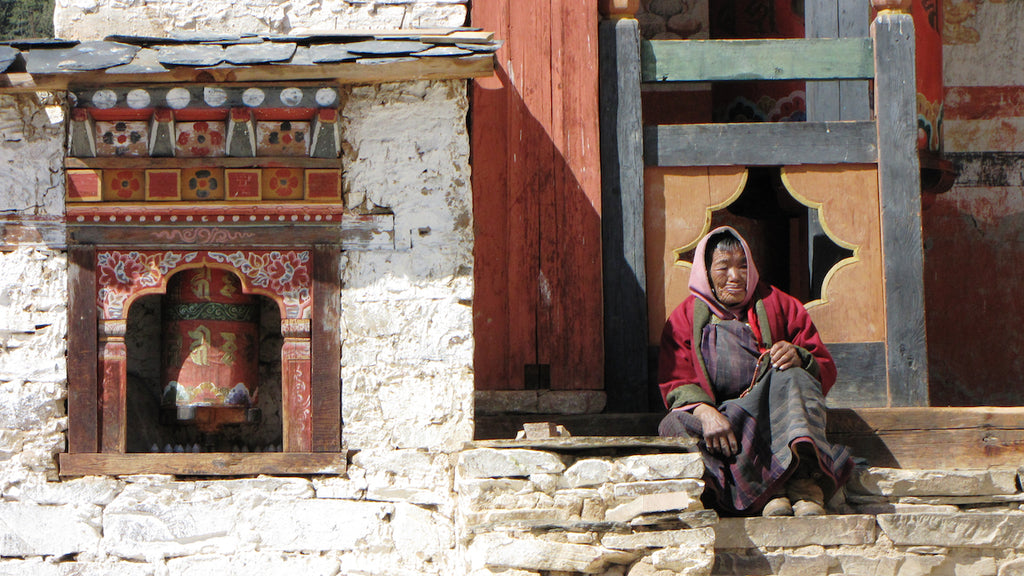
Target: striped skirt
784, 409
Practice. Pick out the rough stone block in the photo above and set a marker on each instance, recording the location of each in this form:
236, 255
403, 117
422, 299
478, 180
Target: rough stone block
319, 525
260, 563
493, 463
501, 551
684, 561
793, 532
522, 517
973, 530
899, 482
660, 539
633, 489
588, 472
31, 567
659, 467
650, 503
94, 490
33, 530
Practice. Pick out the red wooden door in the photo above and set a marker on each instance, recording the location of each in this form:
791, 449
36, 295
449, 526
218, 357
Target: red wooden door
536, 194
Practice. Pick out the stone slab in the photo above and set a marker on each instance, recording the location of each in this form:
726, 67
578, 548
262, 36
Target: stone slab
633, 489
968, 530
492, 463
33, 530
588, 472
659, 467
792, 532
500, 551
191, 55
263, 53
650, 503
900, 482
660, 539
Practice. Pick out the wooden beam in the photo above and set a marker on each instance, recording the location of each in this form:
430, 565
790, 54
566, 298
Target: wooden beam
780, 59
899, 184
148, 163
931, 438
767, 144
370, 232
213, 464
622, 223
326, 349
83, 386
438, 68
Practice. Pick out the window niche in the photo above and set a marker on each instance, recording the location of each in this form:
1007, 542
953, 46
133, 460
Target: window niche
155, 424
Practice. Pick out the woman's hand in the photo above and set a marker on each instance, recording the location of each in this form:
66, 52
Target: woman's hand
718, 433
784, 355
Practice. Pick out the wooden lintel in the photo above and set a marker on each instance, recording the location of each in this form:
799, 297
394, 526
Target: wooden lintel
765, 144
439, 68
362, 232
212, 464
776, 59
148, 163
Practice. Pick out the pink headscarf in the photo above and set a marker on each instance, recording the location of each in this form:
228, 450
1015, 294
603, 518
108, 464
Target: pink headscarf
700, 283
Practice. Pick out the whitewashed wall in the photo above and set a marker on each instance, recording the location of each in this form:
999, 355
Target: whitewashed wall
406, 326
95, 19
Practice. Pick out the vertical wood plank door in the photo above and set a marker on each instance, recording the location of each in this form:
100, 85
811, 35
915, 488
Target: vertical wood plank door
536, 195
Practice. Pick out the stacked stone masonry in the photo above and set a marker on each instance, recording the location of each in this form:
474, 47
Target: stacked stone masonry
532, 512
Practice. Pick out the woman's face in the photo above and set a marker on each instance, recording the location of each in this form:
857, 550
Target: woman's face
729, 275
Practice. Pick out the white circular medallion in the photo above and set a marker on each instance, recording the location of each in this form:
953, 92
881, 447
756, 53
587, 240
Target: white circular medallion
253, 97
137, 99
291, 96
326, 96
104, 99
178, 98
215, 97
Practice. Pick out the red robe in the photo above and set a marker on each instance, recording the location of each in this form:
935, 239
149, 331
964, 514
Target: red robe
679, 363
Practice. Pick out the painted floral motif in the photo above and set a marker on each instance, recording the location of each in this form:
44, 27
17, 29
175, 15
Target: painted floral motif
200, 139
286, 273
125, 138
283, 275
287, 138
125, 185
204, 184
282, 184
120, 274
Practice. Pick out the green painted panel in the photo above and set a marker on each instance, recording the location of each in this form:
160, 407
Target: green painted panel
784, 59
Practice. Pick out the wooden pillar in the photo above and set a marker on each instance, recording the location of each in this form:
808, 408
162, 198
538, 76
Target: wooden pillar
83, 412
296, 410
326, 350
622, 224
899, 183
113, 362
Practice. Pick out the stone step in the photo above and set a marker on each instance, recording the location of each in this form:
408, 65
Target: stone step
976, 543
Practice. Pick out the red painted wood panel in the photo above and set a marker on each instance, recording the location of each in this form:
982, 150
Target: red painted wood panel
536, 181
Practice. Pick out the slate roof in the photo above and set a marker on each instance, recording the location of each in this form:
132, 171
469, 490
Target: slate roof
120, 54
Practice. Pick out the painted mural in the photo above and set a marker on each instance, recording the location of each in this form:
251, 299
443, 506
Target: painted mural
974, 234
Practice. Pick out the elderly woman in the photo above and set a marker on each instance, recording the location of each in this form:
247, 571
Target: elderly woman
743, 368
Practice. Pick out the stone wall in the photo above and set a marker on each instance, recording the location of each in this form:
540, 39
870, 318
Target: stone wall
529, 512
95, 19
407, 347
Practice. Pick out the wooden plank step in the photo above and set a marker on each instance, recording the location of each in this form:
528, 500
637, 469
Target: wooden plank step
923, 438
776, 59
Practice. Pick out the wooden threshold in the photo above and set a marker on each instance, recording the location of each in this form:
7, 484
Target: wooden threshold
212, 464
922, 438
